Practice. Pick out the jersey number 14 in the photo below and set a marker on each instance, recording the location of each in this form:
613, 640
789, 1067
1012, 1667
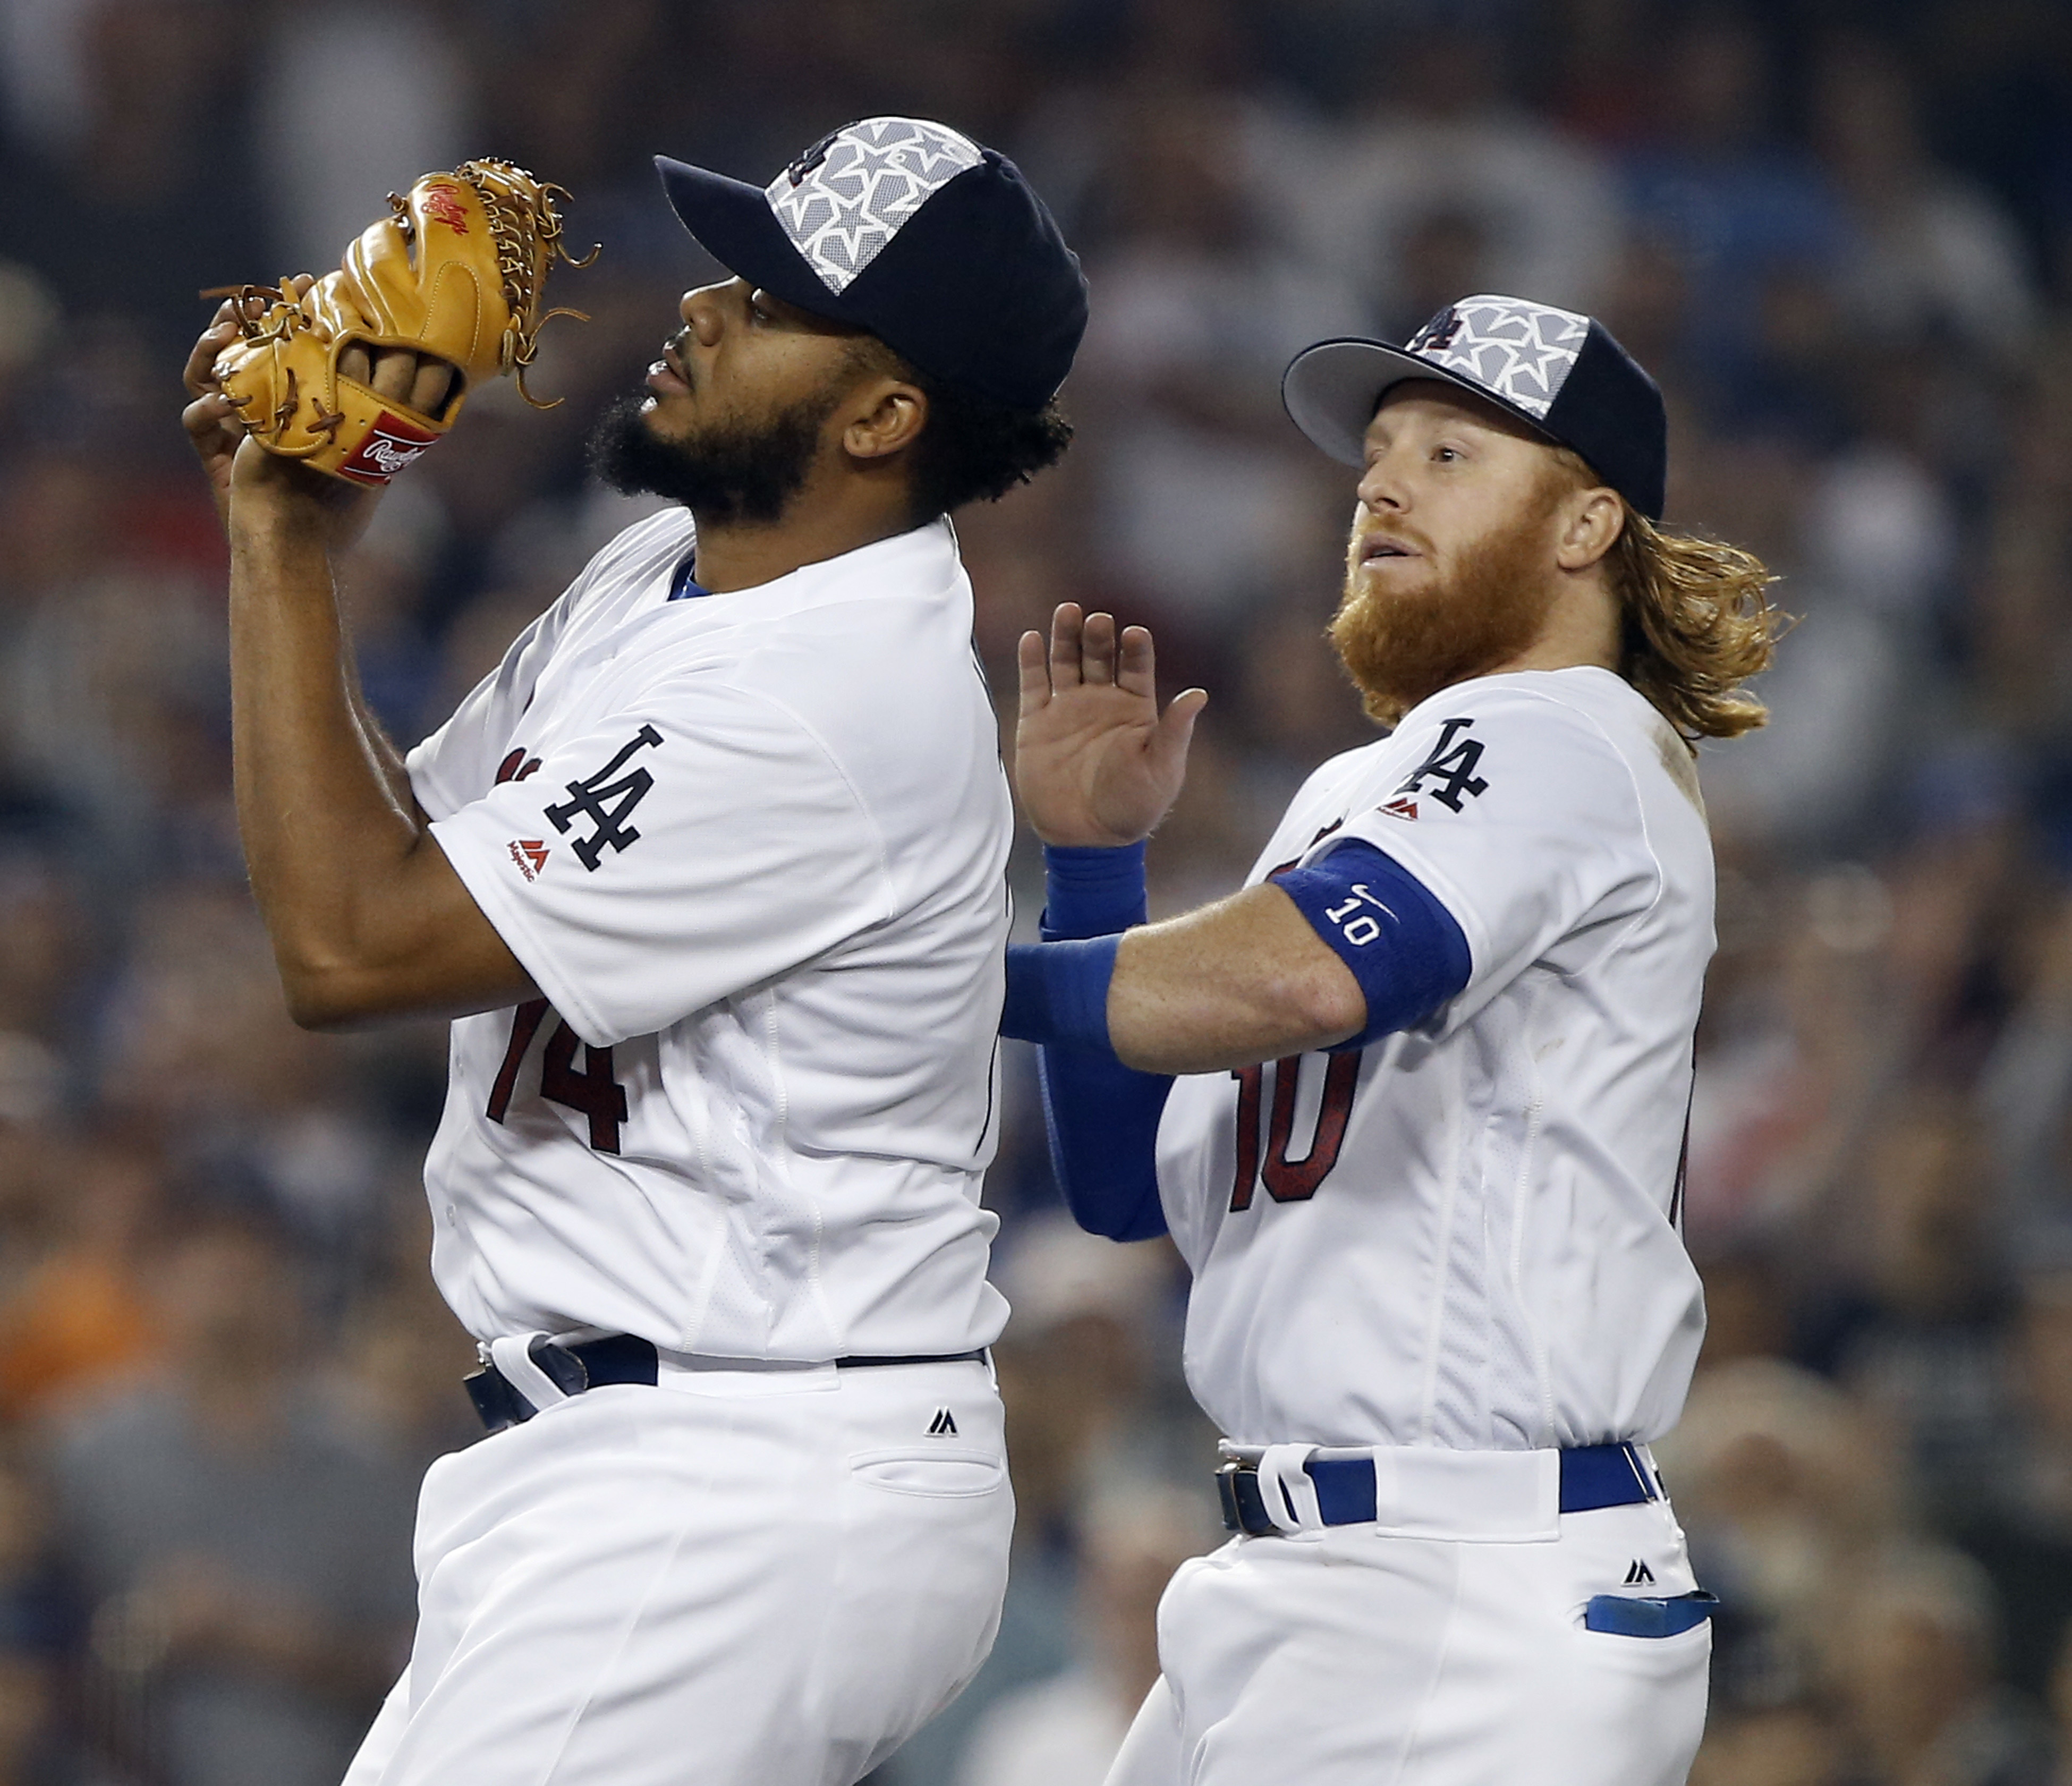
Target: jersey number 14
593, 1091
1290, 1181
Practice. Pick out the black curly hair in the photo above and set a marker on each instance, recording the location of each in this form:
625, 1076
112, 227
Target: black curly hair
973, 448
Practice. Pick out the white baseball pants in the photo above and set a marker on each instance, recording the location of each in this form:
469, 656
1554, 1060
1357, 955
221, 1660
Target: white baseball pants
771, 1579
1348, 1659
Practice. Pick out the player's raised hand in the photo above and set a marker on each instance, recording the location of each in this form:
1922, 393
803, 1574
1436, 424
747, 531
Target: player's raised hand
211, 420
1096, 762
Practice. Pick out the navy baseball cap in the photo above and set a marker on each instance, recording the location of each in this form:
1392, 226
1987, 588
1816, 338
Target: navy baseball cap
1561, 374
908, 229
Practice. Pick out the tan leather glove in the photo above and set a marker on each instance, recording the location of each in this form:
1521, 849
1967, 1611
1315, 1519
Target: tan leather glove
456, 274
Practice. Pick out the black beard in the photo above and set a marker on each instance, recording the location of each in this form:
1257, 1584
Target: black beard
725, 474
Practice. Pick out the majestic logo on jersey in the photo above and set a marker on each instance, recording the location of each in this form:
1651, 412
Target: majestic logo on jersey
1403, 807
1450, 768
606, 803
530, 854
1639, 1574
1524, 352
944, 1425
843, 201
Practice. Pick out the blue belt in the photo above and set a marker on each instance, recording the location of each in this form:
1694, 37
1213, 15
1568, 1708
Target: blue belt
1591, 1476
615, 1358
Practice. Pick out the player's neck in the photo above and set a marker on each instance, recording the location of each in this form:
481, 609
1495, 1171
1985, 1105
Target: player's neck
829, 517
1581, 628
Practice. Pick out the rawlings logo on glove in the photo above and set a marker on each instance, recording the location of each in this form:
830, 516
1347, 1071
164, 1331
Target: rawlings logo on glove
455, 274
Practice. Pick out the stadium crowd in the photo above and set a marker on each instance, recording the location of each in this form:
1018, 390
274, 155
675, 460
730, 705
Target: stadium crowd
1841, 235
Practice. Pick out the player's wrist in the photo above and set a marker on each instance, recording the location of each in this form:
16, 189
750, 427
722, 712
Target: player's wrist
276, 507
1081, 836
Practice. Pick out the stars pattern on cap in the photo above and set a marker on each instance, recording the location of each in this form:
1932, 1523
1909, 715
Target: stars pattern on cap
1520, 352
842, 204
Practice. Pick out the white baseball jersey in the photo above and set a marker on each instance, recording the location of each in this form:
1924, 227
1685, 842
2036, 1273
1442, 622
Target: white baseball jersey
751, 848
1469, 1236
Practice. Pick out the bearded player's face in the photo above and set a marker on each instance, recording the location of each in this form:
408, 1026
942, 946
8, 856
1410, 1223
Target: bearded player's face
737, 409
1450, 570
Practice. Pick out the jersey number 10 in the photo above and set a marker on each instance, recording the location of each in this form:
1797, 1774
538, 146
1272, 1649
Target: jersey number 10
1290, 1181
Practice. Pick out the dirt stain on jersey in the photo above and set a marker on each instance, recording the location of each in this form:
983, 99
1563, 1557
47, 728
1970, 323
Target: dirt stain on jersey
1682, 766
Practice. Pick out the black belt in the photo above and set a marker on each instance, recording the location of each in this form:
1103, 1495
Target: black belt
1591, 1476
619, 1358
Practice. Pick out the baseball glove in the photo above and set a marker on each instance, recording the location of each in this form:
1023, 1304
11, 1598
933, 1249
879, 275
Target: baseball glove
455, 274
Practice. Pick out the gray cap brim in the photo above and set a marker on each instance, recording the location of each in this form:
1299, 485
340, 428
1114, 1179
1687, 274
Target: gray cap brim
1332, 390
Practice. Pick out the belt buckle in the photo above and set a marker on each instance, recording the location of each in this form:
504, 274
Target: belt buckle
499, 1404
1244, 1506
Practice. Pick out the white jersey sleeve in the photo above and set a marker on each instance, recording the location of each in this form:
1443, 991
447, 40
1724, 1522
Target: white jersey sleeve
670, 856
1521, 817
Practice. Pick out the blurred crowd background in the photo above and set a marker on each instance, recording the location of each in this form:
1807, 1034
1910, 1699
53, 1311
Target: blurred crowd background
1841, 235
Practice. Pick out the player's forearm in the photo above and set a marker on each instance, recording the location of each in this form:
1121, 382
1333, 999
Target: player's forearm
387, 759
1242, 981
325, 827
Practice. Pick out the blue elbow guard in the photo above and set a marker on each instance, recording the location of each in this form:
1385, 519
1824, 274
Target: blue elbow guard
1404, 947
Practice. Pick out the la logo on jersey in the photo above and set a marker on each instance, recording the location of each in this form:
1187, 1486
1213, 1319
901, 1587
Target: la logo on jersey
1450, 767
608, 804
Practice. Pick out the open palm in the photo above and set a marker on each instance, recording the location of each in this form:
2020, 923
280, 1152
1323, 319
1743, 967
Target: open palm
1096, 762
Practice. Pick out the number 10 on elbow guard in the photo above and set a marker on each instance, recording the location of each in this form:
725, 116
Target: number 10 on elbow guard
1359, 927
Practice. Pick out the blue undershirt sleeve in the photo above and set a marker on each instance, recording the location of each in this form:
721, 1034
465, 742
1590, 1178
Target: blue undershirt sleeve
1102, 1117
1405, 949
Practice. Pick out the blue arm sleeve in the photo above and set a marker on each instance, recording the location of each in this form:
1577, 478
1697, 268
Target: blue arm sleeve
1102, 1121
1092, 892
1102, 1117
1405, 948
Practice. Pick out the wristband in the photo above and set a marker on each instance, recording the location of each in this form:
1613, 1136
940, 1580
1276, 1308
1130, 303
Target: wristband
1092, 892
1058, 992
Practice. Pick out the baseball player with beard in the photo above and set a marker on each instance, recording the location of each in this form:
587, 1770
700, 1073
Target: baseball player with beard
1412, 1104
710, 873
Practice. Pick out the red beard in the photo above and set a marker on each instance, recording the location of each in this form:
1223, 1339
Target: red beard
1402, 646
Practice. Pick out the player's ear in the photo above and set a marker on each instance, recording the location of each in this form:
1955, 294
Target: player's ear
1592, 522
885, 416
